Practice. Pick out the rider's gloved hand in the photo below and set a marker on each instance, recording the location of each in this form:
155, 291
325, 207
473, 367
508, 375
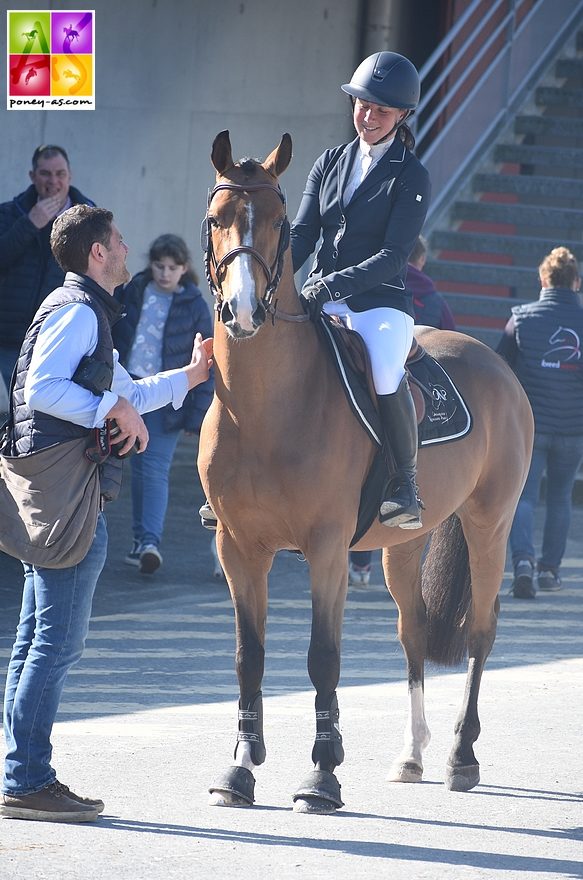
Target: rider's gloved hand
313, 297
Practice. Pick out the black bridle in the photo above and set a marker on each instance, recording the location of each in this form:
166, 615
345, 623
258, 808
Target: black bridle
272, 273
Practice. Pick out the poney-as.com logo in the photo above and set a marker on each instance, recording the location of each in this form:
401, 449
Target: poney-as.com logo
51, 60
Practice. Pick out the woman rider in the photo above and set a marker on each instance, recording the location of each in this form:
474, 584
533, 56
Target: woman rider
367, 200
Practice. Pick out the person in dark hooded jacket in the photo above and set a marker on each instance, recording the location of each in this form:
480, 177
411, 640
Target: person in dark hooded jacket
164, 312
28, 269
429, 306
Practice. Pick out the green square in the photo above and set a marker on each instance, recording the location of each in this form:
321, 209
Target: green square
35, 24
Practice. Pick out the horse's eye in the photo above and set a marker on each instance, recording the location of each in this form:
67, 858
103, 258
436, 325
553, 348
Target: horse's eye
278, 223
214, 222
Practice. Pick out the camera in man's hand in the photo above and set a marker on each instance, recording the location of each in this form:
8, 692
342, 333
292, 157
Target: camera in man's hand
114, 431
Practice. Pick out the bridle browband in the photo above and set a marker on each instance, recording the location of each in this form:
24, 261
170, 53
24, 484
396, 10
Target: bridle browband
272, 273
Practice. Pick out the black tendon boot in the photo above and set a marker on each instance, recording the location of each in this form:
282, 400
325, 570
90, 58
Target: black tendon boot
403, 506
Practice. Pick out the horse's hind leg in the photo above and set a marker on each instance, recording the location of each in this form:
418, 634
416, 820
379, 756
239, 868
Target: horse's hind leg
248, 585
487, 555
402, 568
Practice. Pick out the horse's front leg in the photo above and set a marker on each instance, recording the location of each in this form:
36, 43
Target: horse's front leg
402, 569
247, 579
319, 792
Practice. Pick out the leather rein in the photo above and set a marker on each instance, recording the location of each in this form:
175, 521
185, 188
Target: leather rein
272, 273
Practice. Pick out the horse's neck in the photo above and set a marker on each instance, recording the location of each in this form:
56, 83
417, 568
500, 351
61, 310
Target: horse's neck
269, 371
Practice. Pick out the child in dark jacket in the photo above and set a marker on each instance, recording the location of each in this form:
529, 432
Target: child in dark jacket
164, 311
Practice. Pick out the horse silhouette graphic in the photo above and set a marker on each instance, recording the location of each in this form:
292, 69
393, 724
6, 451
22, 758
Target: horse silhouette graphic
566, 346
70, 33
31, 73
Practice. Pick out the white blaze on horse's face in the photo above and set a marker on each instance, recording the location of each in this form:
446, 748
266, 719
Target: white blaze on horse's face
242, 296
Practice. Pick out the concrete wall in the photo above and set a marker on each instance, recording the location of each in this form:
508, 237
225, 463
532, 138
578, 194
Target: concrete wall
170, 74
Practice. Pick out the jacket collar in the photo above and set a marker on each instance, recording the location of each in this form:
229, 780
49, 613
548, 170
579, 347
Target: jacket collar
559, 294
386, 168
110, 306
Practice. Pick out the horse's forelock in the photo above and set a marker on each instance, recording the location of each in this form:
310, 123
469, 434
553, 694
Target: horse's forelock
249, 166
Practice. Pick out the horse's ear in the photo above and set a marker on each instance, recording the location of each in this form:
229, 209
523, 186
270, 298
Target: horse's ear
221, 155
279, 159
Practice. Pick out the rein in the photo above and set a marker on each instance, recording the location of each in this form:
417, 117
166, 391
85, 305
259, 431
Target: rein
272, 273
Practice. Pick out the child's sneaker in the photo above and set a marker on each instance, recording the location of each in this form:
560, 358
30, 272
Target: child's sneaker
133, 557
548, 581
150, 559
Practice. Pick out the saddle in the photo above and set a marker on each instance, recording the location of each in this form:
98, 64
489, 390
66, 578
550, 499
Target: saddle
442, 414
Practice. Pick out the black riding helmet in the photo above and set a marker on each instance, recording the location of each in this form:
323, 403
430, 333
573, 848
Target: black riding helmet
386, 78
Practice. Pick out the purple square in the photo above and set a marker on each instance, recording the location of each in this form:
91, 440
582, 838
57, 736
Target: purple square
72, 33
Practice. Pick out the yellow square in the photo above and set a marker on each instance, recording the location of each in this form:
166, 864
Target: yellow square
71, 75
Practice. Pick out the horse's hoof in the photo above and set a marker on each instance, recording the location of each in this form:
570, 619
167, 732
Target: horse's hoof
318, 793
235, 788
462, 778
226, 799
314, 805
405, 771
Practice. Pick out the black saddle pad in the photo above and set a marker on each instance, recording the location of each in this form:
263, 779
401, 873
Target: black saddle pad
447, 416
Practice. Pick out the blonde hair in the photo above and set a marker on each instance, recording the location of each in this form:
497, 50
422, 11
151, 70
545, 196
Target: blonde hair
559, 268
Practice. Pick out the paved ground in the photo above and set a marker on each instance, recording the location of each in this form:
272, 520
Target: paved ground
149, 715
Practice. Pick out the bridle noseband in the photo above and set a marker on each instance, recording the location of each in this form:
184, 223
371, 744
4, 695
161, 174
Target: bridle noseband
272, 273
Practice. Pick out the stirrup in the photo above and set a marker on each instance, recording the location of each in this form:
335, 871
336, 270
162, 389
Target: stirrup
404, 513
208, 517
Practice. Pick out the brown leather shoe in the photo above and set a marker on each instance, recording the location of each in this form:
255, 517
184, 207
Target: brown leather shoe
96, 803
54, 803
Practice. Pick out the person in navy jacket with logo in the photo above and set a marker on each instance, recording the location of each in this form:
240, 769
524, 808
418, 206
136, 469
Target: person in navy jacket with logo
367, 201
542, 343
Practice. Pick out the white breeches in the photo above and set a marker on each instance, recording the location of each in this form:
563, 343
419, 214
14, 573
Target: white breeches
388, 334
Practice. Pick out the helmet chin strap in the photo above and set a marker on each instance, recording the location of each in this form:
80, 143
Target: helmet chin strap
393, 131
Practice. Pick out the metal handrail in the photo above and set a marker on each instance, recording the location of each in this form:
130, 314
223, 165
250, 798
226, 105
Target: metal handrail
513, 80
428, 124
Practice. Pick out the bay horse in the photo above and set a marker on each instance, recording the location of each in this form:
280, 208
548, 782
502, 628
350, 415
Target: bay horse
282, 460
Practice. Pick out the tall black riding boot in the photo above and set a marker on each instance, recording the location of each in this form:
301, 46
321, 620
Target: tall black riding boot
402, 508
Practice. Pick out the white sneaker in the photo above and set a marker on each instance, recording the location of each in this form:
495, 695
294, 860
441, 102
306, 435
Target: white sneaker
150, 558
359, 575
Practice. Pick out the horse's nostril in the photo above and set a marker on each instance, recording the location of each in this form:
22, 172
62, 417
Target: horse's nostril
258, 316
226, 313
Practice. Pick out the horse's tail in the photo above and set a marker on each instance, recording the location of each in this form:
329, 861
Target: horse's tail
447, 593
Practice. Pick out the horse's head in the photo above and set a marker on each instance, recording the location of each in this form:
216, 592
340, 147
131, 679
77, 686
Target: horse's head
245, 235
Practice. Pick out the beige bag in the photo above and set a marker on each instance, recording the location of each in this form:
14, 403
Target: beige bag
49, 503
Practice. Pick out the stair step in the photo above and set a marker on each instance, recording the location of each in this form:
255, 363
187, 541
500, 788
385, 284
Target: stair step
529, 184
558, 96
555, 126
527, 249
525, 278
486, 306
569, 68
524, 154
520, 215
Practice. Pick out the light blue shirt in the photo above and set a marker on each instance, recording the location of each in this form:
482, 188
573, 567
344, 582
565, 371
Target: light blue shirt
66, 335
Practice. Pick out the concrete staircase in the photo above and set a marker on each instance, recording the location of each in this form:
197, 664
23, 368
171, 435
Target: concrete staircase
525, 198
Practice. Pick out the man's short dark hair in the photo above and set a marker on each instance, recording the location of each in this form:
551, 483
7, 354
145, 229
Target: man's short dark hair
47, 151
75, 231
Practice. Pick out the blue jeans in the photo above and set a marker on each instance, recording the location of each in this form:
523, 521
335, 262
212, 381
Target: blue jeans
150, 472
54, 620
561, 456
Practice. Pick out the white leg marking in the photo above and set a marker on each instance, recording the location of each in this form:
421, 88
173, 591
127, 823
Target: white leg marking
243, 756
416, 739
